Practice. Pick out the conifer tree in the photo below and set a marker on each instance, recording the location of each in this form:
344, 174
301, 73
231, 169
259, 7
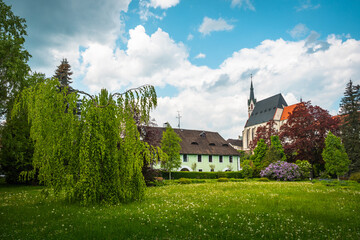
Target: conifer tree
334, 155
350, 125
63, 73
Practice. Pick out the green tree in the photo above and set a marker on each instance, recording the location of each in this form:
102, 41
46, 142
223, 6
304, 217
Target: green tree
94, 157
170, 144
305, 168
335, 156
274, 154
63, 73
259, 153
350, 124
17, 146
13, 57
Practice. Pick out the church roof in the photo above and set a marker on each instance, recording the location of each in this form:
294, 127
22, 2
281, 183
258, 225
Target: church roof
265, 110
193, 141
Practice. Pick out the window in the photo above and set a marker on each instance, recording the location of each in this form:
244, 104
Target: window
199, 158
220, 159
185, 158
230, 159
212, 170
194, 143
210, 158
200, 170
212, 144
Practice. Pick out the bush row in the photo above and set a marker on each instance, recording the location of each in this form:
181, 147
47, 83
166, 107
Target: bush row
202, 175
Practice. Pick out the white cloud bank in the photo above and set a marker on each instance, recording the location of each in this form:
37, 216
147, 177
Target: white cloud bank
213, 25
215, 99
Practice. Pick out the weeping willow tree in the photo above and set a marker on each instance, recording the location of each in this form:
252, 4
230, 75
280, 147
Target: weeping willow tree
95, 156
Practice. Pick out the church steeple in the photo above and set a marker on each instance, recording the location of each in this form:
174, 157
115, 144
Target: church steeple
252, 99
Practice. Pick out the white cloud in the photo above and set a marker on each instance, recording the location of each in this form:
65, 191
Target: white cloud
306, 5
190, 37
215, 99
200, 55
246, 4
210, 25
163, 4
299, 31
145, 6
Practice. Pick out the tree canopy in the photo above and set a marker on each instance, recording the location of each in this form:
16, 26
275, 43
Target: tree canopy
170, 145
334, 155
350, 124
63, 73
303, 135
13, 57
94, 157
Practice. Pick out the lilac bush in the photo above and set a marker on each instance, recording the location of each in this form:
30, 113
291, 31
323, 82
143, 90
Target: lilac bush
281, 170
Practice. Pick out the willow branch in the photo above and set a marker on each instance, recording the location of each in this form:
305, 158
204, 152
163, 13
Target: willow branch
111, 95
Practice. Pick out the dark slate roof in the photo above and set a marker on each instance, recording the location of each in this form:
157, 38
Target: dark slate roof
265, 110
235, 142
193, 141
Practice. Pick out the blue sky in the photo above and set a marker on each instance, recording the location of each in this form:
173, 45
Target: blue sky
199, 54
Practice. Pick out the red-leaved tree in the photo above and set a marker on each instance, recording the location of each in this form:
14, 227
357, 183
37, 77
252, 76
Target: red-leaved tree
303, 135
264, 132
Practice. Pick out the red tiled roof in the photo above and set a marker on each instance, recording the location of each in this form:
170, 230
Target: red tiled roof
287, 110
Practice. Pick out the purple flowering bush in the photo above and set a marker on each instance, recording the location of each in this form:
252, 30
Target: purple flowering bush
281, 170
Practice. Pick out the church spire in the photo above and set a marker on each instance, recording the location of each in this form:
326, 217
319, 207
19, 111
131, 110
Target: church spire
252, 99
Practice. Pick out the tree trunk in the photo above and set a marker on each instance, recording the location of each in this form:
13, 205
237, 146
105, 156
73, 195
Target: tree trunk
169, 175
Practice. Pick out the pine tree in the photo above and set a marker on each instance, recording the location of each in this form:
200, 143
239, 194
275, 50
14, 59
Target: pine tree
350, 125
334, 155
63, 73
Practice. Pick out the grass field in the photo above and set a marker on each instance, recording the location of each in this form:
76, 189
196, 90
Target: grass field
230, 210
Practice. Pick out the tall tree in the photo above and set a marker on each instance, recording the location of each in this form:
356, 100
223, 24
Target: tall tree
94, 157
17, 147
63, 73
335, 157
259, 153
350, 124
170, 145
13, 57
303, 135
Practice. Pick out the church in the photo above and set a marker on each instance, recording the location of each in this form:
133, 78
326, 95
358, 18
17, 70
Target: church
261, 112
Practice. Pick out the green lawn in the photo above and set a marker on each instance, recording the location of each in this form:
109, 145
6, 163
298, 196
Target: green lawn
230, 210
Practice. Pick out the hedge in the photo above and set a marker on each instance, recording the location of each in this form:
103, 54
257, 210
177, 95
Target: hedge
201, 175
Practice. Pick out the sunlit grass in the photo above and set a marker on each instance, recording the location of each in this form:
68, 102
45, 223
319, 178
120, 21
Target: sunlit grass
230, 210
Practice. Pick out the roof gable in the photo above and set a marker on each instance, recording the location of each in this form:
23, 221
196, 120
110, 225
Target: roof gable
193, 141
265, 110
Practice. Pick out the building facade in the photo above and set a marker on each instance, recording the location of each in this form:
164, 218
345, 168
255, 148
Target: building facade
207, 150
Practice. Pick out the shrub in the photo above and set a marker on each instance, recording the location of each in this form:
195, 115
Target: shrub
355, 177
223, 180
281, 171
264, 179
202, 175
184, 181
247, 171
304, 168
